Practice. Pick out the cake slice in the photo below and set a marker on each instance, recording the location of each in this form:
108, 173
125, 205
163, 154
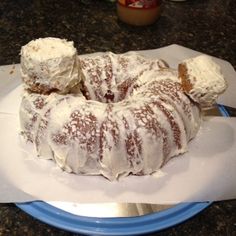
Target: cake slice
202, 80
49, 65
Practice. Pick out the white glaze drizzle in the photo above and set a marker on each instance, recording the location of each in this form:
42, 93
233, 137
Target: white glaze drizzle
115, 162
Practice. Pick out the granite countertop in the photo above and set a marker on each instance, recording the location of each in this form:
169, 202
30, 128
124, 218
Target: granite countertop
204, 25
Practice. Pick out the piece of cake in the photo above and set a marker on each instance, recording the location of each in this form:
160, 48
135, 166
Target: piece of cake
49, 64
202, 79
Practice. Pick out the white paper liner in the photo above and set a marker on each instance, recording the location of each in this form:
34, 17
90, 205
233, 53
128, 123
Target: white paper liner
205, 173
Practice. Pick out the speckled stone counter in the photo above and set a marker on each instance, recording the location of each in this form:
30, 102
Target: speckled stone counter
204, 25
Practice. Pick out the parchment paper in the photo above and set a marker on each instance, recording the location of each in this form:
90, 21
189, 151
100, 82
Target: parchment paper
206, 172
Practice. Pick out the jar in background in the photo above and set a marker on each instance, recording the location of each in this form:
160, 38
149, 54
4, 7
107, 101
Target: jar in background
138, 12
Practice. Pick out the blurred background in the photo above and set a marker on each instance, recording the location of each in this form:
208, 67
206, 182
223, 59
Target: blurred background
204, 25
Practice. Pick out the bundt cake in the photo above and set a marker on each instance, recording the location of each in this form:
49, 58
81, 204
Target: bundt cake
129, 115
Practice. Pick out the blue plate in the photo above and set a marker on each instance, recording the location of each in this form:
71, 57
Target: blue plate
112, 226
223, 110
118, 225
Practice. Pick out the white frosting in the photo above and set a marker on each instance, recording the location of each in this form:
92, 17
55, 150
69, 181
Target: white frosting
111, 71
137, 134
51, 62
206, 79
115, 162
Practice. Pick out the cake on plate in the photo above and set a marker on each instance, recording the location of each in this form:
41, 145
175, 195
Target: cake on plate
110, 114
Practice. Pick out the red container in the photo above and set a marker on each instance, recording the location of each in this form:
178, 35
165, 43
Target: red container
138, 12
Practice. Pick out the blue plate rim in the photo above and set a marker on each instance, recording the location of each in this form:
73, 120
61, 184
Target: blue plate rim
149, 223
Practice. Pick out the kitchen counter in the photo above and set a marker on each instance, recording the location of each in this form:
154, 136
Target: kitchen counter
203, 25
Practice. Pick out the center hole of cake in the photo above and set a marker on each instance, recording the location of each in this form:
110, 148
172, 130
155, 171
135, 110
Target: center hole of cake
104, 96
109, 96
107, 92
